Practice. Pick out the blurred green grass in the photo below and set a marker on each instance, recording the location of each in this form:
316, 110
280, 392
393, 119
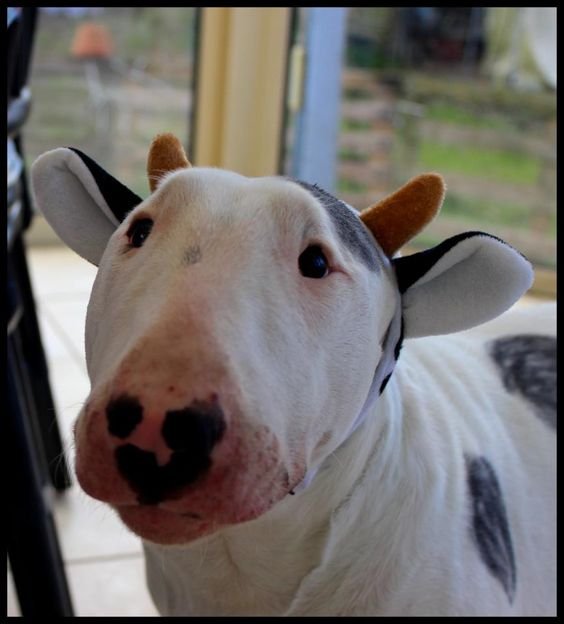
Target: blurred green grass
503, 174
486, 211
502, 166
451, 114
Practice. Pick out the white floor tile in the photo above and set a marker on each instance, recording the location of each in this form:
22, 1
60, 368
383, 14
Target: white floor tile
110, 588
69, 383
57, 271
54, 344
104, 588
70, 388
66, 320
89, 529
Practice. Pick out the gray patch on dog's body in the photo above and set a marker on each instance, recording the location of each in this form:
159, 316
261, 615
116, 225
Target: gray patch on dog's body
192, 255
350, 228
490, 527
527, 363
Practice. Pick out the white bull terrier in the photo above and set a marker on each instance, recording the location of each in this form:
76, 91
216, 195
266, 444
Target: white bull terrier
239, 337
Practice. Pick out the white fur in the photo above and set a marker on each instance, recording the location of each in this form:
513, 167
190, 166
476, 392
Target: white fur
383, 528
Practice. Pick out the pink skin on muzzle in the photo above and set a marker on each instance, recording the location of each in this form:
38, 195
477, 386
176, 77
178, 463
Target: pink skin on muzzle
246, 476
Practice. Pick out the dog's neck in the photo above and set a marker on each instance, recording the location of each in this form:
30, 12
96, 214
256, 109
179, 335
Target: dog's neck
263, 566
391, 345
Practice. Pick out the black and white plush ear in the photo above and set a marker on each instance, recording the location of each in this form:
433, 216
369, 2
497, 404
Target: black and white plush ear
466, 280
81, 201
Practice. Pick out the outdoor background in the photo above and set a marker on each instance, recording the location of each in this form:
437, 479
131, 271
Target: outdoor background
467, 92
458, 91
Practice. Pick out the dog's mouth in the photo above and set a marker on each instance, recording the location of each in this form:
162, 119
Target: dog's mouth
201, 511
246, 476
164, 526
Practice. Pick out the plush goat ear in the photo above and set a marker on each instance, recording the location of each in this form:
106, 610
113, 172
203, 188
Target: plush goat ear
399, 217
465, 281
81, 201
165, 154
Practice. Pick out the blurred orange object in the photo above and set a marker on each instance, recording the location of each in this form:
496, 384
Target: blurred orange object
92, 40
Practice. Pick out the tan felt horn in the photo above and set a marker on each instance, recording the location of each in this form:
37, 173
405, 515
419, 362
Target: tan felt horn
165, 154
397, 218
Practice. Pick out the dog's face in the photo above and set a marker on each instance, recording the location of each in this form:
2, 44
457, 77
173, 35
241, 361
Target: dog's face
238, 327
243, 305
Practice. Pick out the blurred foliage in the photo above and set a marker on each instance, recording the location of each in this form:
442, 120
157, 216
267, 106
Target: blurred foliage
479, 97
346, 185
352, 155
504, 166
449, 113
348, 124
487, 210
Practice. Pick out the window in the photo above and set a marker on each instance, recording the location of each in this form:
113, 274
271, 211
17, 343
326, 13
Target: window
468, 92
107, 80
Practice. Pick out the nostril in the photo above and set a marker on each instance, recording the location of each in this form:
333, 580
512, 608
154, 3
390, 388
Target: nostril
140, 469
195, 429
124, 414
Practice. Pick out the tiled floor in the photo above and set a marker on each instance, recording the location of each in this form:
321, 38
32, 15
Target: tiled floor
103, 560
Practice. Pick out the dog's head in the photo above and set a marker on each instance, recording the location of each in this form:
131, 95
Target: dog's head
238, 327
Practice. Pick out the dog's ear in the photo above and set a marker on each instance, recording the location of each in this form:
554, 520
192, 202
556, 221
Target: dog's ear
81, 201
466, 280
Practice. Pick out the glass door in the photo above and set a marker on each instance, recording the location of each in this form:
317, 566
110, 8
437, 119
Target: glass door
385, 93
107, 80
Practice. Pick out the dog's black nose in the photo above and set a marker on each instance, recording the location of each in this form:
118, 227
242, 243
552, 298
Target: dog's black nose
191, 433
194, 429
124, 413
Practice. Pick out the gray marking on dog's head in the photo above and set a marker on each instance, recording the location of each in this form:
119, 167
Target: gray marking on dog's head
490, 527
527, 363
192, 255
354, 234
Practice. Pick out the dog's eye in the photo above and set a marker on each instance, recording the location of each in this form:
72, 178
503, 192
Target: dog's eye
313, 263
139, 232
